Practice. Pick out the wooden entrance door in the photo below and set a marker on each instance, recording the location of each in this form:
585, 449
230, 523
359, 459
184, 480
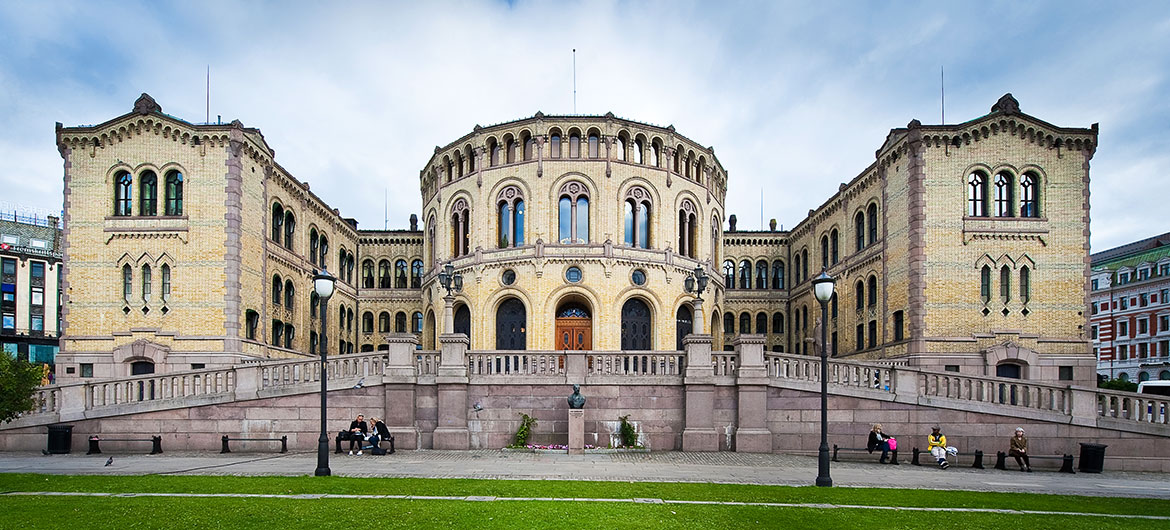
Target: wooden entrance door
574, 333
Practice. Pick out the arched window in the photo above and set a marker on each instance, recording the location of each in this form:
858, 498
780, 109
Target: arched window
146, 283
277, 290
323, 253
400, 274
383, 274
290, 228
728, 323
745, 274
400, 322
833, 305
431, 239
777, 274
985, 284
873, 291
470, 154
511, 325
342, 263
123, 185
871, 213
251, 322
448, 168
655, 150
1003, 194
639, 148
416, 322
511, 217
463, 320
761, 274
977, 195
367, 274
313, 246
313, 303
762, 323
509, 150
834, 255
1029, 203
683, 325
174, 193
1025, 284
554, 144
277, 333
777, 322
824, 252
573, 214
859, 230
127, 282
859, 294
637, 220
460, 239
416, 273
529, 149
1005, 284
290, 294
494, 151
687, 216
277, 222
574, 144
147, 193
636, 327
729, 274
745, 322
383, 322
796, 269
166, 283
804, 264
367, 322
594, 145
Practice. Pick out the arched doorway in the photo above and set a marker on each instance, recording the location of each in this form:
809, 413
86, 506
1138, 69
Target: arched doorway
511, 325
683, 325
635, 325
141, 368
429, 331
574, 327
1011, 370
463, 320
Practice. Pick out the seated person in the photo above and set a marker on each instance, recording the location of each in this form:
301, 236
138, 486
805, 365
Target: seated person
380, 433
879, 440
356, 433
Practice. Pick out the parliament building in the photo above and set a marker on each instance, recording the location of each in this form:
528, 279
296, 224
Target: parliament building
961, 247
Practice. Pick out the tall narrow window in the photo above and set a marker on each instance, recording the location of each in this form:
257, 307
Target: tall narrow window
761, 274
859, 230
985, 284
384, 281
899, 333
127, 282
416, 273
745, 274
729, 274
777, 274
686, 230
594, 145
554, 145
574, 145
367, 274
166, 283
637, 220
400, 274
367, 322
123, 184
510, 151
1003, 195
277, 290
1005, 284
313, 246
494, 151
977, 195
859, 294
460, 239
416, 321
384, 322
1029, 205
314, 301
529, 148
654, 150
573, 214
777, 322
796, 269
290, 295
146, 283
290, 228
834, 254
639, 148
251, 322
824, 252
1026, 284
510, 228
174, 193
728, 323
871, 213
277, 222
324, 252
804, 264
873, 291
148, 193
400, 322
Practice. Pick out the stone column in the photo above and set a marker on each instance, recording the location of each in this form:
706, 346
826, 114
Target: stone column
398, 382
448, 314
697, 316
576, 431
451, 378
699, 433
751, 433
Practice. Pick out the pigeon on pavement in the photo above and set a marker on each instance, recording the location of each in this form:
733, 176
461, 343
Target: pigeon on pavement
110, 462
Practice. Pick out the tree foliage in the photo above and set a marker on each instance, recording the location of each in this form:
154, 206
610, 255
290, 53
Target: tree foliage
18, 379
1117, 384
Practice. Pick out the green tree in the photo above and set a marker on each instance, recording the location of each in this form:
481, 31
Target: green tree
18, 379
1117, 384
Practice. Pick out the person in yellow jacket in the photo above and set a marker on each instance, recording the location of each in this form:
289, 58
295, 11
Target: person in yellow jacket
937, 445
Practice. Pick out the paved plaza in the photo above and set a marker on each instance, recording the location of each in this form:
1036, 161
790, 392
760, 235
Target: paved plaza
722, 467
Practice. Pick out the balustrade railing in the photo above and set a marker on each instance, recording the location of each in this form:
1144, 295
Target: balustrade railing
155, 387
1139, 408
301, 371
634, 363
516, 363
724, 363
46, 399
995, 390
426, 362
846, 373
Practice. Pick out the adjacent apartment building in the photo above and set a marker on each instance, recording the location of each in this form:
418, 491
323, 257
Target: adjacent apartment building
1129, 310
30, 276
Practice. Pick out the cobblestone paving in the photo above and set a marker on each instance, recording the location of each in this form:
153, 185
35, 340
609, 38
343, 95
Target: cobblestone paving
722, 467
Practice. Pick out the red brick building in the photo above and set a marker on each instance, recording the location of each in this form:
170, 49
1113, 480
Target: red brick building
1129, 310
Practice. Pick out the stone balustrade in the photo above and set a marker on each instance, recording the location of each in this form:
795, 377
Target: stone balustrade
803, 368
521, 362
158, 387
724, 363
1138, 408
426, 362
634, 363
995, 390
299, 371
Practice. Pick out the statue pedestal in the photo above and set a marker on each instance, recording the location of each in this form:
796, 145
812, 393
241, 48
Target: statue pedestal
576, 431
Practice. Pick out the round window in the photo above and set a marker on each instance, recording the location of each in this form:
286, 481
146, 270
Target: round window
509, 277
573, 274
638, 277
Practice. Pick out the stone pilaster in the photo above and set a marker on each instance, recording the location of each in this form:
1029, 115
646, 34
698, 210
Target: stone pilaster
752, 434
399, 381
451, 378
699, 433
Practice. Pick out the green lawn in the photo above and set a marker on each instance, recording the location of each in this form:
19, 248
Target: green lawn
111, 512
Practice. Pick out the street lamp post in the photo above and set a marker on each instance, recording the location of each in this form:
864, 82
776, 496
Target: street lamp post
323, 284
696, 283
453, 283
823, 290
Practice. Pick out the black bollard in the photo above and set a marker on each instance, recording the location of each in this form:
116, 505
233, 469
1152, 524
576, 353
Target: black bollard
834, 452
915, 460
225, 445
284, 444
1001, 460
978, 464
156, 445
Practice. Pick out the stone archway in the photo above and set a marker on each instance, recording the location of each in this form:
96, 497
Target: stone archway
574, 325
1010, 355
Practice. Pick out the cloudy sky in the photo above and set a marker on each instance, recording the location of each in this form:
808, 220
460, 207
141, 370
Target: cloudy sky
795, 97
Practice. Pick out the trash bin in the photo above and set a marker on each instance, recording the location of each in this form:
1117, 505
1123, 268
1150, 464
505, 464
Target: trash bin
60, 438
1092, 457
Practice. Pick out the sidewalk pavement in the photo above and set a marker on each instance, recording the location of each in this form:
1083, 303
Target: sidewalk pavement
722, 467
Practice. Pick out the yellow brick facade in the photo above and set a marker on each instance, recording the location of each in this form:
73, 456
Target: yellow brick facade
918, 262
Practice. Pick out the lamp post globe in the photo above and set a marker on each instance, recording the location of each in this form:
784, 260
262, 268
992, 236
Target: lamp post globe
823, 290
323, 285
689, 284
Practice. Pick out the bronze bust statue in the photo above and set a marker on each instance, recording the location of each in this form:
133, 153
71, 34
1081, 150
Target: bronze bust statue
576, 400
